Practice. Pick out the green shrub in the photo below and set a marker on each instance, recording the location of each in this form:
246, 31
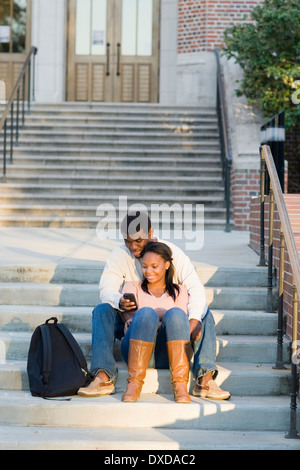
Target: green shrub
267, 47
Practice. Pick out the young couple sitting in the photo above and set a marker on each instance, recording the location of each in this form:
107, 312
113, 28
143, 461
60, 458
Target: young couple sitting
166, 323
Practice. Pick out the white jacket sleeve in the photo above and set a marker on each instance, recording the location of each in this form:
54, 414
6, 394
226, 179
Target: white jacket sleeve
186, 275
112, 279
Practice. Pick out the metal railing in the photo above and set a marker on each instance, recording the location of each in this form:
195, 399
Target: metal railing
286, 240
273, 135
226, 155
20, 88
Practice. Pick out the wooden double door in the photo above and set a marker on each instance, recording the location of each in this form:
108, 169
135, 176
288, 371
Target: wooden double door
113, 50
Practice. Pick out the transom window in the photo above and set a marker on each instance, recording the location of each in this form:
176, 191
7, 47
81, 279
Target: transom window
13, 26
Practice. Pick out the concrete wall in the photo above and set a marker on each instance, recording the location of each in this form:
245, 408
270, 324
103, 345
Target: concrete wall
49, 35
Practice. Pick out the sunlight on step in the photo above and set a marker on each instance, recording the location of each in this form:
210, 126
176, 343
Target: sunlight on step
213, 408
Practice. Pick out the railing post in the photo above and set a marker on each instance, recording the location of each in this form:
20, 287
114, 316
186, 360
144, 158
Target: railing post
4, 150
228, 195
11, 131
279, 362
29, 86
293, 434
262, 260
269, 307
17, 118
23, 101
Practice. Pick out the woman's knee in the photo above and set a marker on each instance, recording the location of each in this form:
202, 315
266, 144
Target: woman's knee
176, 324
176, 315
144, 325
146, 316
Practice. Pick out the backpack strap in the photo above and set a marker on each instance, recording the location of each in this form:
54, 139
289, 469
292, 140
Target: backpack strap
47, 353
74, 345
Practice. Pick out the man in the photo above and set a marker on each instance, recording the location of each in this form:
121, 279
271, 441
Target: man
124, 264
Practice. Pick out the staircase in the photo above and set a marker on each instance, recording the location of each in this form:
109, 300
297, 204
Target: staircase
70, 159
73, 157
255, 417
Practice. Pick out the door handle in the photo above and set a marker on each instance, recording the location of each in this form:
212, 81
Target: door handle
118, 58
107, 58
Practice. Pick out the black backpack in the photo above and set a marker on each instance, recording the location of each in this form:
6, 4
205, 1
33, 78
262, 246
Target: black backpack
56, 365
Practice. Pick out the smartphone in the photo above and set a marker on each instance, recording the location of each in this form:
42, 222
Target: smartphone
130, 297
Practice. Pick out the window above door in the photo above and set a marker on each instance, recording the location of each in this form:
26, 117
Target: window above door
13, 15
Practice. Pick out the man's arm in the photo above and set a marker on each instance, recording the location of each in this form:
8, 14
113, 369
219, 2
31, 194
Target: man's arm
112, 279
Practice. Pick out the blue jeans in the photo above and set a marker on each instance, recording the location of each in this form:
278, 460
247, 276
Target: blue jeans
106, 324
145, 326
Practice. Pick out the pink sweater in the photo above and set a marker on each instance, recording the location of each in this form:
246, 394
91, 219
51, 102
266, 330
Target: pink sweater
165, 302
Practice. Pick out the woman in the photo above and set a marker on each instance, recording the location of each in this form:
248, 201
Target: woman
159, 321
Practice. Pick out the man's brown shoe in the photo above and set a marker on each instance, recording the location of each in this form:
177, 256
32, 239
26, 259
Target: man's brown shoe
97, 388
210, 390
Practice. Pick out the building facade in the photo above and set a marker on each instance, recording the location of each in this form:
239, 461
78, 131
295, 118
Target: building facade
135, 51
118, 50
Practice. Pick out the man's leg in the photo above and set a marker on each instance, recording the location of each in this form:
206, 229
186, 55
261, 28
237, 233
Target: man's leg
103, 363
204, 368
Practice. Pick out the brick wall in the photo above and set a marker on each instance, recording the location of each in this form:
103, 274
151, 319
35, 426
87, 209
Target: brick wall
244, 185
201, 23
254, 226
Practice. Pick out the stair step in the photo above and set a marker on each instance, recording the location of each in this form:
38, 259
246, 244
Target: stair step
14, 318
114, 171
242, 379
19, 408
111, 151
144, 128
92, 201
216, 223
235, 298
107, 439
210, 276
115, 160
99, 136
238, 348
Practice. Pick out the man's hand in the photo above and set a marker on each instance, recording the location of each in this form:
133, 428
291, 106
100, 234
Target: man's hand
195, 329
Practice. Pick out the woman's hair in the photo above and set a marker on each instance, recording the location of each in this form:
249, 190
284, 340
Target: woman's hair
165, 252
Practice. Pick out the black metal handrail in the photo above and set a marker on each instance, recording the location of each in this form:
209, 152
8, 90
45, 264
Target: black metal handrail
286, 240
273, 135
226, 154
15, 96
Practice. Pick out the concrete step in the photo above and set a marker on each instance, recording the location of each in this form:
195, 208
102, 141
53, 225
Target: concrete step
116, 171
111, 192
244, 379
216, 223
59, 125
75, 143
117, 160
126, 110
230, 348
162, 439
84, 211
141, 151
210, 276
233, 298
19, 408
18, 318
68, 200
100, 135
124, 179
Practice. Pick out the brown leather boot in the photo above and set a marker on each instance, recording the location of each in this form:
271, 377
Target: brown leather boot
179, 361
138, 360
